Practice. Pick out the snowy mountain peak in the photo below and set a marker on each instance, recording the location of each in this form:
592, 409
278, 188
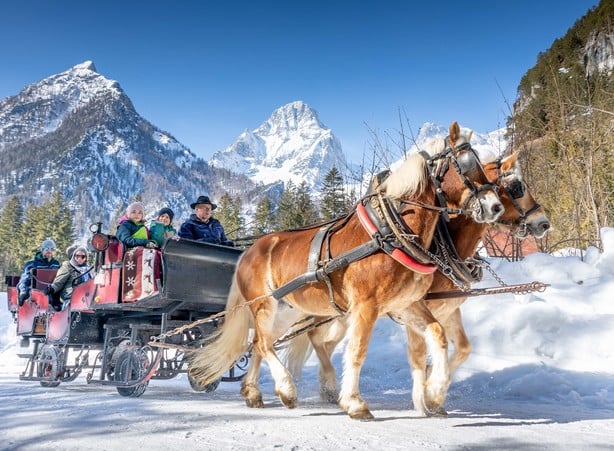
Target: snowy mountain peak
53, 99
290, 118
292, 144
86, 65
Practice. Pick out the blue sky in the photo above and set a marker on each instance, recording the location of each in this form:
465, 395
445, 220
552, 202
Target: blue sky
205, 71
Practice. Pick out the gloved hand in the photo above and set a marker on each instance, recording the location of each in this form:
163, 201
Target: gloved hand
49, 290
56, 303
152, 245
22, 298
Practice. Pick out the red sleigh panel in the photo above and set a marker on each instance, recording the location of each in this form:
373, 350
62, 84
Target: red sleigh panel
142, 269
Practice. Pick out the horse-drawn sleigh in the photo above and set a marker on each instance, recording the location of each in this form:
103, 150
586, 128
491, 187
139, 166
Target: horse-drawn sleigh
413, 236
135, 294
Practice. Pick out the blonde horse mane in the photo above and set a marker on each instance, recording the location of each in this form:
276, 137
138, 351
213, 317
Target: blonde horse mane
411, 177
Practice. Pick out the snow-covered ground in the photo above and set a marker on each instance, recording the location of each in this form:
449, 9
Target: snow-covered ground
541, 376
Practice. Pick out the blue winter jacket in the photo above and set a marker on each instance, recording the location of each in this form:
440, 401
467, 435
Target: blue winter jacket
209, 232
39, 261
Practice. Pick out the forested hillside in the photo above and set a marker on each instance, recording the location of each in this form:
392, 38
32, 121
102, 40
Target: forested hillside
563, 120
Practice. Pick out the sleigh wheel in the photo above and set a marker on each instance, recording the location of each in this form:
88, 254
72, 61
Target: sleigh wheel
50, 365
131, 365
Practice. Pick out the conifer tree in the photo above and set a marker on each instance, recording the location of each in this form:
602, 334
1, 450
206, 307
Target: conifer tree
334, 201
296, 207
51, 219
60, 226
31, 234
307, 213
229, 214
287, 217
10, 226
264, 218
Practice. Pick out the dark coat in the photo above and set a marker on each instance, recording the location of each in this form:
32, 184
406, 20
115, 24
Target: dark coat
209, 232
127, 229
39, 261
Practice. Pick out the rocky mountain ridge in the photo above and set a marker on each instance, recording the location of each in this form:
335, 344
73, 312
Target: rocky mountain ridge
292, 144
78, 132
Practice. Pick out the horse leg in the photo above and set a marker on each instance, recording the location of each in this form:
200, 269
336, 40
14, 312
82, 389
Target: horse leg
429, 387
438, 381
324, 339
416, 356
250, 389
462, 345
264, 339
360, 329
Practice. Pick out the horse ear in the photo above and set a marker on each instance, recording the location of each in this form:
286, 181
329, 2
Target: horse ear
454, 133
508, 162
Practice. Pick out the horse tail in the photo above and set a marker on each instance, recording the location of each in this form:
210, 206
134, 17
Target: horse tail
296, 353
229, 344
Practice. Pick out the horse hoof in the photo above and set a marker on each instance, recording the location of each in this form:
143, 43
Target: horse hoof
330, 396
254, 403
362, 415
439, 412
290, 403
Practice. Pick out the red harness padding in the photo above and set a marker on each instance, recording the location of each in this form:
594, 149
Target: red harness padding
398, 254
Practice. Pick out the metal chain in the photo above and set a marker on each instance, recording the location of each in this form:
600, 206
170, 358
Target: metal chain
444, 268
157, 340
523, 288
491, 271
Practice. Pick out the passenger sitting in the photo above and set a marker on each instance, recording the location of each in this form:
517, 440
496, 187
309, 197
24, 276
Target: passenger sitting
202, 226
132, 231
72, 273
162, 227
42, 259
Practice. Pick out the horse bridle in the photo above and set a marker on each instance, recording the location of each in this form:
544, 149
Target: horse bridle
465, 161
515, 190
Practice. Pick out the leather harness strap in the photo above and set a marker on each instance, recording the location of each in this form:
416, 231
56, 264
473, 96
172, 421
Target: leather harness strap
388, 232
400, 255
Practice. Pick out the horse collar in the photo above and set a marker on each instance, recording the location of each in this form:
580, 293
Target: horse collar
400, 254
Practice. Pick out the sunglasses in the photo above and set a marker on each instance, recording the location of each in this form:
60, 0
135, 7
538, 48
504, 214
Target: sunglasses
49, 249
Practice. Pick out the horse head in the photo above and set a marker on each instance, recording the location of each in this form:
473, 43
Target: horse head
523, 215
458, 176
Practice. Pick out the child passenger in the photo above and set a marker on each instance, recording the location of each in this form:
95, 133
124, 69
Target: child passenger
162, 227
132, 230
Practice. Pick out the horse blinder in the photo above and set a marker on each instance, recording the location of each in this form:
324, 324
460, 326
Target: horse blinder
467, 162
515, 189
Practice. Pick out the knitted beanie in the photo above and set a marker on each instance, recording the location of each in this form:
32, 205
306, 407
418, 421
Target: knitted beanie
167, 211
135, 206
48, 244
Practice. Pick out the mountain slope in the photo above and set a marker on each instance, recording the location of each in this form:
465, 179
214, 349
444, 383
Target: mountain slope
79, 133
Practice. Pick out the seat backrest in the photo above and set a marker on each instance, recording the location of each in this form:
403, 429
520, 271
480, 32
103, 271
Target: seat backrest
115, 251
11, 281
42, 277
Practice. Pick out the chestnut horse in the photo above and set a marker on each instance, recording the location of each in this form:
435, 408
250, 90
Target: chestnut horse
522, 216
357, 266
